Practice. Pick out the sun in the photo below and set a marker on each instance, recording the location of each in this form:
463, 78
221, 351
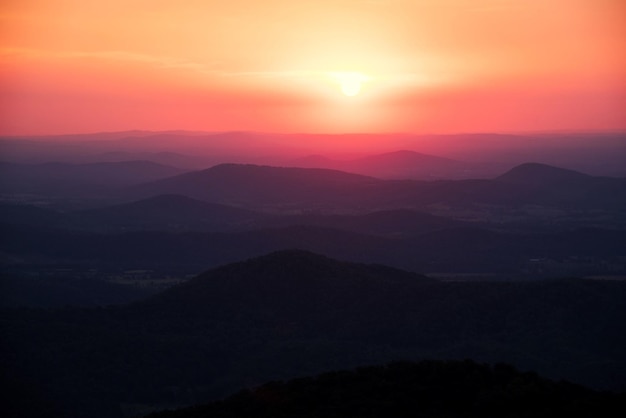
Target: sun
350, 82
351, 87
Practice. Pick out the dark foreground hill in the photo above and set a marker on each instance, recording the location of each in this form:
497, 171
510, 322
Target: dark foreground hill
295, 313
452, 389
282, 287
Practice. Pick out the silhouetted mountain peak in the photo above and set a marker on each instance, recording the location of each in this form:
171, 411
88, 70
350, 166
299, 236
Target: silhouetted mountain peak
293, 280
260, 186
300, 264
266, 170
536, 173
408, 156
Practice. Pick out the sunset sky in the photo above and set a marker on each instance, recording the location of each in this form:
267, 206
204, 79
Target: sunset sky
422, 66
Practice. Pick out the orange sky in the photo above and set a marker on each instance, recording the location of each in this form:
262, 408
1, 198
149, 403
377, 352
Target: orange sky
276, 65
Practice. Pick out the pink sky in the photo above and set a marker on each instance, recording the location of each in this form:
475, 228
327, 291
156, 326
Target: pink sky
433, 66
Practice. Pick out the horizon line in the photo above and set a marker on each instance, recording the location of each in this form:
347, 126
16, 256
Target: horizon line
258, 132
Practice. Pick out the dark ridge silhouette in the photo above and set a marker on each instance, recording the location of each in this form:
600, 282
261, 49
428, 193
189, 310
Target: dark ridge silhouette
293, 313
294, 281
315, 161
542, 174
404, 156
404, 164
173, 159
165, 213
78, 179
289, 190
550, 186
596, 153
264, 185
452, 389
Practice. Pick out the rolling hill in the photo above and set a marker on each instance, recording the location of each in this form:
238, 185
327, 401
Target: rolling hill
536, 174
295, 313
402, 164
264, 186
75, 180
164, 213
550, 186
306, 189
402, 389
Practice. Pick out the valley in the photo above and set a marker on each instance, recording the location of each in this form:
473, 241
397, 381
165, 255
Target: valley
127, 289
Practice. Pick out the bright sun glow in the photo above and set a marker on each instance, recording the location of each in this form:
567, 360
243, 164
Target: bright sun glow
350, 82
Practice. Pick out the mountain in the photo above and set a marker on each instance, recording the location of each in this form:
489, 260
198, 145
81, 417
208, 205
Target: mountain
181, 213
78, 179
299, 190
595, 153
295, 313
535, 174
263, 186
165, 213
455, 389
402, 164
172, 159
405, 164
294, 282
557, 187
314, 161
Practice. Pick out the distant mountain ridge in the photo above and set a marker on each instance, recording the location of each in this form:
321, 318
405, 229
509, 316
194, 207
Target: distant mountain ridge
288, 188
402, 164
79, 179
594, 152
239, 184
537, 174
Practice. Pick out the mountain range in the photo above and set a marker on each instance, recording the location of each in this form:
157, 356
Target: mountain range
264, 187
532, 221
404, 164
76, 180
453, 250
149, 270
596, 153
287, 189
295, 313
